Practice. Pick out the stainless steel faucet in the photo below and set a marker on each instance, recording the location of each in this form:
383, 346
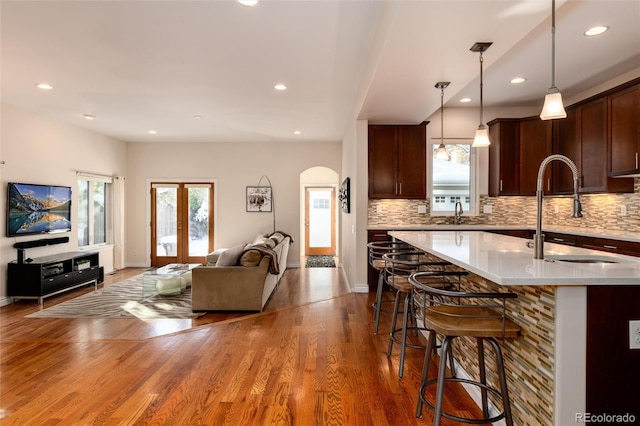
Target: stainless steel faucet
538, 238
457, 213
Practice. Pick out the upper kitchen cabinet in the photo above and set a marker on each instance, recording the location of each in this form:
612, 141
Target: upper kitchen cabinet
398, 161
535, 146
504, 157
566, 141
624, 135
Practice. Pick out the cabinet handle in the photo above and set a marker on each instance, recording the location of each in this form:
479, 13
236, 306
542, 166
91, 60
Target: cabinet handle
500, 185
400, 187
396, 188
558, 239
636, 160
610, 247
548, 184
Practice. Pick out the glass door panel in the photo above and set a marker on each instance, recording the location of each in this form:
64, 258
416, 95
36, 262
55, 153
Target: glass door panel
182, 222
320, 221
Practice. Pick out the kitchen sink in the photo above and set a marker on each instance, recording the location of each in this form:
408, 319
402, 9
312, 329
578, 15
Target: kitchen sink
586, 258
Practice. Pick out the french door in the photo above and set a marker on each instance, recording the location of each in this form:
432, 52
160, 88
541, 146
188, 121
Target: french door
181, 222
320, 221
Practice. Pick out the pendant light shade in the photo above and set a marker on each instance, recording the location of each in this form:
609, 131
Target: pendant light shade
482, 134
442, 153
482, 137
553, 107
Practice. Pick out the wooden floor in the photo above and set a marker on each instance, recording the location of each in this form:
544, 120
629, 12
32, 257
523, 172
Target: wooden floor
310, 358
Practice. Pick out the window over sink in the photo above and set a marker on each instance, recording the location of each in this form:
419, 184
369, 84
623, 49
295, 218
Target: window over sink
452, 180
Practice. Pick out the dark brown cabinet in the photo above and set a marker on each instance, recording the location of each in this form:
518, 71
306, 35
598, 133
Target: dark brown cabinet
398, 161
593, 149
566, 141
535, 146
624, 142
504, 157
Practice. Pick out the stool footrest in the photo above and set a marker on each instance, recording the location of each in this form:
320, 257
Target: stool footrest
468, 382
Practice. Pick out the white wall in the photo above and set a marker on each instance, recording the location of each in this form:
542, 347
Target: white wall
354, 224
40, 150
234, 166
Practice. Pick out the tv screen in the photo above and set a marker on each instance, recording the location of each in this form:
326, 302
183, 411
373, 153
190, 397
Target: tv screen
38, 209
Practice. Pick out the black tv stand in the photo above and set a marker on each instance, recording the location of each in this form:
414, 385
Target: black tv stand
51, 275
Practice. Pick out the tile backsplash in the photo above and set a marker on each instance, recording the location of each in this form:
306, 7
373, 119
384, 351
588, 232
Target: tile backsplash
600, 211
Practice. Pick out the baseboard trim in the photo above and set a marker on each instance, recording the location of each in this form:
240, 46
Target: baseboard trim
361, 288
6, 301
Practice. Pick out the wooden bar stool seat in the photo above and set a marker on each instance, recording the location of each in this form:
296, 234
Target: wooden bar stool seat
378, 249
399, 268
453, 314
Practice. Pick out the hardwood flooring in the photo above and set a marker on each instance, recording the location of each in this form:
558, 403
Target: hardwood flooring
310, 358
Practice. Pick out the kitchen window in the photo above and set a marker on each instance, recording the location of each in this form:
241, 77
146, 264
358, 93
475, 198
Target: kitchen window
452, 180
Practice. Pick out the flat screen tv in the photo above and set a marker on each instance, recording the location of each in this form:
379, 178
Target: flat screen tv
38, 209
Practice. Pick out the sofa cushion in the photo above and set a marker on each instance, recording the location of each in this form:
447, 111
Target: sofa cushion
277, 237
230, 256
251, 258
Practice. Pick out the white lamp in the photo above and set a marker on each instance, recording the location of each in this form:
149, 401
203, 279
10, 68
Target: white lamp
441, 153
553, 107
482, 135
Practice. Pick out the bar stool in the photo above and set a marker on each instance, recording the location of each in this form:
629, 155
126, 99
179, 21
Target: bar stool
377, 249
454, 313
398, 268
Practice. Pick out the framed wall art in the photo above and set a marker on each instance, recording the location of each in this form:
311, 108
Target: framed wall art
259, 199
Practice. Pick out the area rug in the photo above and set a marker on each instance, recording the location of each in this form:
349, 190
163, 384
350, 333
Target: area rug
126, 299
320, 262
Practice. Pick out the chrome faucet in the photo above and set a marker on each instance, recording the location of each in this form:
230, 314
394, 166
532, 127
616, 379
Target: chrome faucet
538, 238
457, 213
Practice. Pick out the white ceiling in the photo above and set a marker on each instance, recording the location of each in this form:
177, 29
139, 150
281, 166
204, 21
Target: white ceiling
142, 65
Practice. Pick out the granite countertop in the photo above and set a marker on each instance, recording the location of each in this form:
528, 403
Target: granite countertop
508, 261
571, 230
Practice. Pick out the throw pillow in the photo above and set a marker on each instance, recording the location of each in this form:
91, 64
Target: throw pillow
258, 239
277, 237
230, 256
265, 242
251, 258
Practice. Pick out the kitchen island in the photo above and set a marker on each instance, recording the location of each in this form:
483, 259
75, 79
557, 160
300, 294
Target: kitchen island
547, 365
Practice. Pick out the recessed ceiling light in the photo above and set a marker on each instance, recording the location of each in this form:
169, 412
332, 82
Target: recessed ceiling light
152, 132
280, 86
297, 132
197, 117
596, 30
249, 3
44, 86
465, 100
89, 116
518, 80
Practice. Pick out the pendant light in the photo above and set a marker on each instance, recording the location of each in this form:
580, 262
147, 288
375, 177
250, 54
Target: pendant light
553, 107
482, 134
441, 153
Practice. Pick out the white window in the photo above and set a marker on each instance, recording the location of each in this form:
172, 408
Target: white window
452, 180
93, 210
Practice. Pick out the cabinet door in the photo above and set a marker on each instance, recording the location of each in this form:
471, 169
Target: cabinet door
593, 133
504, 157
412, 161
624, 113
535, 146
383, 162
566, 142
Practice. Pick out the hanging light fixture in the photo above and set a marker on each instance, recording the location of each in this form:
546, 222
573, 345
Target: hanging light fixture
441, 153
553, 107
482, 134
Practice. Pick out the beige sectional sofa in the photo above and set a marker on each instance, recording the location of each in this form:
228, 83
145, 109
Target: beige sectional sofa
241, 278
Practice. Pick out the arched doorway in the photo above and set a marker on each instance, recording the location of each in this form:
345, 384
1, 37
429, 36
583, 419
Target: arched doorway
319, 212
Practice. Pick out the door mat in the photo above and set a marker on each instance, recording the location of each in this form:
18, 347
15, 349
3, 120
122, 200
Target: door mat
320, 262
